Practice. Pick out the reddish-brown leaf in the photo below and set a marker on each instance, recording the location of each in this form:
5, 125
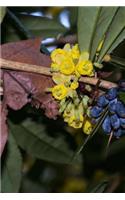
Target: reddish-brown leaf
22, 87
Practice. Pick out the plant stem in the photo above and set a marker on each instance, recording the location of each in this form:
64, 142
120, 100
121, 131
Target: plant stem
18, 66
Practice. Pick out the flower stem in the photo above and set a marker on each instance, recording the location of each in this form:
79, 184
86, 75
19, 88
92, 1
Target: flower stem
18, 66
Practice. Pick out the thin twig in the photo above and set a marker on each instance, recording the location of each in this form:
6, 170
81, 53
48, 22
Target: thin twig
18, 66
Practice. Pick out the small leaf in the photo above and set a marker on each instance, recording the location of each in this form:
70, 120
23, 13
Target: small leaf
2, 13
11, 171
34, 139
87, 19
105, 18
116, 28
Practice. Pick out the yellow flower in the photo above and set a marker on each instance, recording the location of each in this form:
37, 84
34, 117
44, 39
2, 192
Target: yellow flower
85, 67
54, 67
67, 66
58, 55
68, 112
74, 85
75, 121
75, 52
87, 127
59, 91
61, 78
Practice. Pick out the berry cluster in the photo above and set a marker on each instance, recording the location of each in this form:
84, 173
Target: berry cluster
115, 120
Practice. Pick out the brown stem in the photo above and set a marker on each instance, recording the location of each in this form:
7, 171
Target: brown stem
18, 66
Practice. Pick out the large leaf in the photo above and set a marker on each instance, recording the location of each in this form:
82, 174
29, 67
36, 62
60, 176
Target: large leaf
2, 13
105, 18
118, 40
116, 28
33, 138
11, 171
118, 61
87, 19
39, 26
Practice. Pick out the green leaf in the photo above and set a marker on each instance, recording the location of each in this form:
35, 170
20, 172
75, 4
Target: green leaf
115, 29
118, 40
87, 19
104, 20
100, 188
2, 13
73, 15
11, 171
39, 26
34, 139
117, 60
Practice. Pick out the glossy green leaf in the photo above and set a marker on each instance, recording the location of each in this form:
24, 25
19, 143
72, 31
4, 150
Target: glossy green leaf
2, 13
116, 27
118, 40
87, 20
104, 20
11, 171
34, 139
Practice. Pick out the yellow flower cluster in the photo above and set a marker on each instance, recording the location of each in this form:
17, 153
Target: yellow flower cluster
69, 61
67, 67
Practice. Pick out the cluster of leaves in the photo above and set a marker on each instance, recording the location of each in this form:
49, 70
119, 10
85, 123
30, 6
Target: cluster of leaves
20, 88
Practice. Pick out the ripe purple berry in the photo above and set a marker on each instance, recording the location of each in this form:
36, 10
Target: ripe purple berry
112, 93
115, 121
107, 125
122, 85
96, 111
117, 133
112, 105
120, 109
122, 122
102, 101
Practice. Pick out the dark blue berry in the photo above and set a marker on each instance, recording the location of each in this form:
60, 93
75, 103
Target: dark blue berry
96, 111
95, 120
115, 121
120, 109
117, 133
112, 105
102, 101
122, 85
122, 122
112, 93
107, 125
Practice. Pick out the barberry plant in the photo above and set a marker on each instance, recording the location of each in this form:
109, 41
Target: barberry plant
80, 84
